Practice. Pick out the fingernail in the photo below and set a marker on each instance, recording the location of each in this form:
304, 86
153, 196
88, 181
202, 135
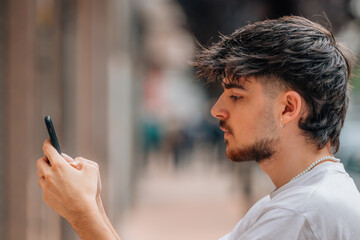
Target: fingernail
74, 163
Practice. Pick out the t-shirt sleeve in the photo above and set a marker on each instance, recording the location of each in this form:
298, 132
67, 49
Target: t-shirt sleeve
279, 224
226, 237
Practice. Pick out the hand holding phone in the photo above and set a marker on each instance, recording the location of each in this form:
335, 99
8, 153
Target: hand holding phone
52, 134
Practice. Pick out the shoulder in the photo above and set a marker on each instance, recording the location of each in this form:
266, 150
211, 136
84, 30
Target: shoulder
329, 202
276, 223
323, 205
326, 186
327, 198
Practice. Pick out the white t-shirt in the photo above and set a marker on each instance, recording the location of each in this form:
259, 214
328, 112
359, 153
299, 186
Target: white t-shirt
322, 204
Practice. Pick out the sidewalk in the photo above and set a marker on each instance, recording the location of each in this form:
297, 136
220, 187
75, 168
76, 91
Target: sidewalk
198, 201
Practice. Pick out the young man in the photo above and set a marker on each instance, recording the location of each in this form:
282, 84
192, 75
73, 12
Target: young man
284, 103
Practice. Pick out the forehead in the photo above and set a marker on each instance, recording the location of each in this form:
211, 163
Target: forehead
269, 88
241, 83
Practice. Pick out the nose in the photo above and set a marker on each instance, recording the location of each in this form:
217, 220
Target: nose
219, 111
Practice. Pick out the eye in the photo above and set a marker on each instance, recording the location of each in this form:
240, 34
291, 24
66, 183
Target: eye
235, 98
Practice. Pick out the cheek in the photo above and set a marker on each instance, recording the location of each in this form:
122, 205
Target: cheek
244, 127
248, 122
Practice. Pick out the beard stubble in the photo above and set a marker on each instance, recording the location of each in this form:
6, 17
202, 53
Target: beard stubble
261, 149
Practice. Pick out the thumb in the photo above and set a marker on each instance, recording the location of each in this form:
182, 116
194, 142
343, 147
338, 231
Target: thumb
67, 157
70, 160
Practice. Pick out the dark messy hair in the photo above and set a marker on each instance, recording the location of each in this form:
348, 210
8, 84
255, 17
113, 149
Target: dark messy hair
298, 53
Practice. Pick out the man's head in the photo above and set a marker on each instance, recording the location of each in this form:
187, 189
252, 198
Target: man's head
291, 56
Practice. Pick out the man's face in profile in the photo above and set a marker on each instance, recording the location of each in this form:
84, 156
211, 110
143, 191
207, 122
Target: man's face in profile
247, 119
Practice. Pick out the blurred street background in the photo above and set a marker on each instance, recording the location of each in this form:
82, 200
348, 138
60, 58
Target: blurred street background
115, 77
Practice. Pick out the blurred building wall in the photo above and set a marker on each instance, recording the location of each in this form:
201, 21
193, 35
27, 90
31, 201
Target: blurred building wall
77, 60
71, 60
2, 103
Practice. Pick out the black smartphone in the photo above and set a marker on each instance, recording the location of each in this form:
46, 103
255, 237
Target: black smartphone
52, 134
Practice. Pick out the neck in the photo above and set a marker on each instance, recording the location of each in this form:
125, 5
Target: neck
285, 165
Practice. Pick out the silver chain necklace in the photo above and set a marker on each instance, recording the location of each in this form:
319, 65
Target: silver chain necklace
314, 164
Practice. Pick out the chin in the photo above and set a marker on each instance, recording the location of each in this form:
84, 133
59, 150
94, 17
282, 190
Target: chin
238, 158
235, 155
259, 151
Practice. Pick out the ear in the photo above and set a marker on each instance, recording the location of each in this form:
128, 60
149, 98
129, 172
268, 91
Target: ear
291, 104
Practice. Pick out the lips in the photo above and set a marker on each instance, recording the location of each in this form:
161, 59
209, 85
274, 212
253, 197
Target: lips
226, 129
226, 134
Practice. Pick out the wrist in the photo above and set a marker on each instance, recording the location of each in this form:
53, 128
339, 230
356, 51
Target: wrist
100, 205
91, 226
105, 217
84, 215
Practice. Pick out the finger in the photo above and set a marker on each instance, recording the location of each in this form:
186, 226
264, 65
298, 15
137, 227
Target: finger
40, 173
76, 164
43, 167
83, 162
70, 160
42, 164
79, 163
67, 157
42, 182
51, 153
91, 162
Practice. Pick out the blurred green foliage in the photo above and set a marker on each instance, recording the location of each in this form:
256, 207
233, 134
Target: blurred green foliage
355, 80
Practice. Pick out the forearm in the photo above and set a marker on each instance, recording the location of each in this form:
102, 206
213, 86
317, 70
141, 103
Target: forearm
92, 226
106, 219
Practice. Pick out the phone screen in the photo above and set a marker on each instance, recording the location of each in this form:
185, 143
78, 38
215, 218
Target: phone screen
52, 134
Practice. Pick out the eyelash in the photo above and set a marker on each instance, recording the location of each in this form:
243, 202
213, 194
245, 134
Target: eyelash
235, 98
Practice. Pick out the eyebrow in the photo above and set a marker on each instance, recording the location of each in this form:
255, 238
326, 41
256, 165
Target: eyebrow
232, 85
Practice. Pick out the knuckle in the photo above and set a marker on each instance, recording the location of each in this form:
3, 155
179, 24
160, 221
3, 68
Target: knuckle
91, 166
79, 159
47, 176
94, 168
44, 147
96, 164
41, 182
45, 197
38, 162
55, 165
